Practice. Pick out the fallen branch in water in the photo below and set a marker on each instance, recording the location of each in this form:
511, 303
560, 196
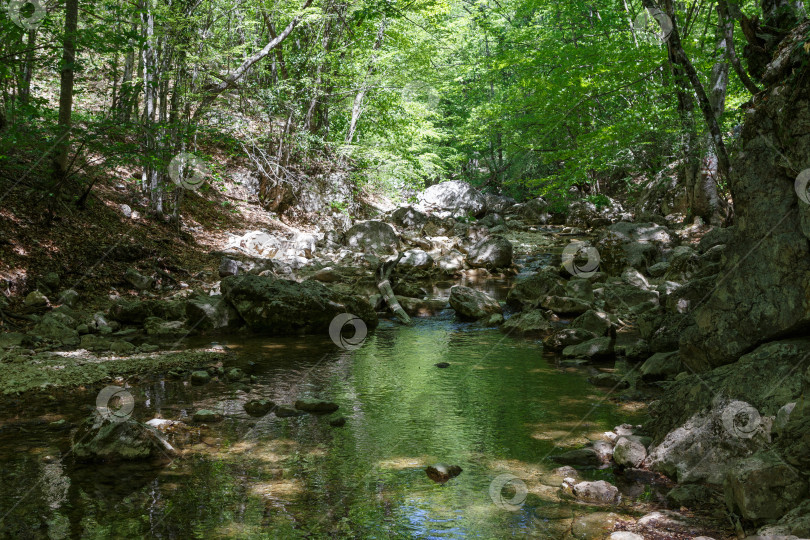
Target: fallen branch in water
388, 292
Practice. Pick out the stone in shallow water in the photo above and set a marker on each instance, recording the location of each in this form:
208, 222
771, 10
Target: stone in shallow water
442, 365
316, 406
596, 492
259, 407
287, 412
199, 378
581, 457
340, 421
103, 439
441, 473
206, 415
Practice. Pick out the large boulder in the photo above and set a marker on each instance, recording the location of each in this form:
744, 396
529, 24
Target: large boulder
57, 329
766, 379
107, 438
763, 487
532, 322
408, 217
498, 203
708, 445
278, 307
638, 245
491, 252
456, 198
585, 214
372, 237
471, 304
259, 244
534, 212
764, 291
211, 313
529, 290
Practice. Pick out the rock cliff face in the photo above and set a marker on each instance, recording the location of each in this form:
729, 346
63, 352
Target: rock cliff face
762, 292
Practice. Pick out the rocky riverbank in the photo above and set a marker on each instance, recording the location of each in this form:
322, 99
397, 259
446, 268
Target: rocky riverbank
600, 288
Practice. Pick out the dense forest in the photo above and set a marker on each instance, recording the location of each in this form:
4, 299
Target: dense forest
405, 268
516, 97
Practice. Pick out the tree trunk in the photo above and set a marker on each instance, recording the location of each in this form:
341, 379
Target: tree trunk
230, 78
357, 106
679, 54
66, 89
149, 178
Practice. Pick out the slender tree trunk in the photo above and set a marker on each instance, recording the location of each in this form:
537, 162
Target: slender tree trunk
150, 180
680, 56
66, 89
357, 106
731, 53
28, 68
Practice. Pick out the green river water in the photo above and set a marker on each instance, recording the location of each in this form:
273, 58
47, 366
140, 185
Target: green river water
502, 407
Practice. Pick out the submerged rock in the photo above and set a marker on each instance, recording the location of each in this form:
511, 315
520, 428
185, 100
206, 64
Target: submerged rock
316, 406
259, 407
441, 473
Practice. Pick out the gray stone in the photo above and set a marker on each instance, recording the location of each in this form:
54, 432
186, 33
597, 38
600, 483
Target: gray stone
138, 280
566, 337
597, 492
579, 288
259, 407
581, 457
103, 439
763, 487
491, 252
206, 416
35, 299
281, 307
594, 349
529, 290
597, 322
157, 327
532, 322
629, 453
408, 217
564, 305
228, 267
661, 366
211, 313
689, 495
68, 297
471, 304
415, 258
709, 443
372, 237
457, 198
